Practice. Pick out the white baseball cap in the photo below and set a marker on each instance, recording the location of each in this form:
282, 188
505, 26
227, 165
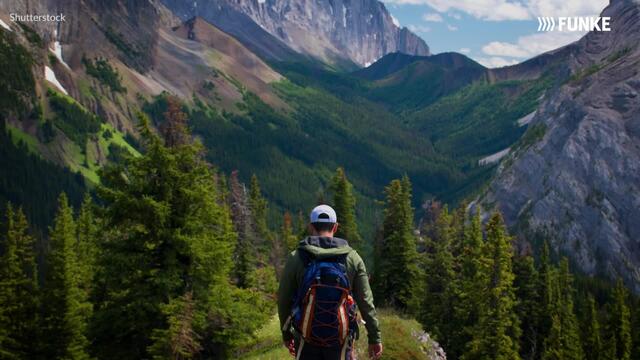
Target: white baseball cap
323, 214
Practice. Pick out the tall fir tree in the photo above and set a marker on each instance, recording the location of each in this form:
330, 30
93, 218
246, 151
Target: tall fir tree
397, 273
167, 236
563, 341
86, 246
18, 289
244, 254
526, 283
470, 262
619, 325
497, 332
636, 329
259, 208
546, 283
344, 203
592, 341
65, 303
440, 289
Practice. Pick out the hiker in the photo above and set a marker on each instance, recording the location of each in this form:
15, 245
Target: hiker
323, 283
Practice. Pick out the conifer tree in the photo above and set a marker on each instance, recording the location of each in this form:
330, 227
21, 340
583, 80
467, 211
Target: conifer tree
546, 284
497, 331
397, 272
591, 333
470, 262
65, 304
344, 203
526, 283
86, 246
619, 327
610, 351
167, 233
440, 290
18, 289
563, 341
244, 254
259, 208
636, 330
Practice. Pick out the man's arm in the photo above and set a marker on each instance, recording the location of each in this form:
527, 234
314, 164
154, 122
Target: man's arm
286, 291
364, 299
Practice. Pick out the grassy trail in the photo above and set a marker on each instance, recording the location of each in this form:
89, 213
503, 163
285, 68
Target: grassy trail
400, 337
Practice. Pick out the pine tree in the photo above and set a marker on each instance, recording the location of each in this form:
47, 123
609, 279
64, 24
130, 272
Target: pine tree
610, 351
497, 331
168, 233
546, 283
440, 290
259, 208
563, 341
470, 262
636, 330
244, 254
397, 273
65, 304
591, 333
344, 203
619, 328
18, 289
86, 246
526, 283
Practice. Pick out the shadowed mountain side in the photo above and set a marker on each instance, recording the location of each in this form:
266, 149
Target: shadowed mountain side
574, 179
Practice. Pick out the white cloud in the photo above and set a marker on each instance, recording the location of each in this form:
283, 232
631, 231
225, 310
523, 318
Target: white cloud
499, 10
495, 61
455, 16
432, 17
452, 28
464, 50
531, 45
419, 28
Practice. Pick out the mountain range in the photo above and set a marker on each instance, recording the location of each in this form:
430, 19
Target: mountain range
290, 90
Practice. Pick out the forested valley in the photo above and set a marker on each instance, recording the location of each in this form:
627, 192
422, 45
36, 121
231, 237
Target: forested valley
174, 259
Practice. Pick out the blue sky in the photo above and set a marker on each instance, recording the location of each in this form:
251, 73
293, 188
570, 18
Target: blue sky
493, 32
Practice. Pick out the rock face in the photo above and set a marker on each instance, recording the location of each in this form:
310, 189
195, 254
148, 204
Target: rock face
358, 31
576, 180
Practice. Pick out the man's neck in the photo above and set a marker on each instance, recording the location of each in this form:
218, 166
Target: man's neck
325, 234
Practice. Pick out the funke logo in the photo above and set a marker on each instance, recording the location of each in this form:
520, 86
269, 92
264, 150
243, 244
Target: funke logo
575, 23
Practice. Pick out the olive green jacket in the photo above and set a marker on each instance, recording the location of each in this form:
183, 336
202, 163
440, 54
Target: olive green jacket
293, 274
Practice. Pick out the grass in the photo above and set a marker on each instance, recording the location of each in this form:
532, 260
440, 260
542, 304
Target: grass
17, 135
399, 338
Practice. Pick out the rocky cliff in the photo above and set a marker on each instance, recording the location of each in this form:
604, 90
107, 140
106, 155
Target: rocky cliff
575, 179
358, 31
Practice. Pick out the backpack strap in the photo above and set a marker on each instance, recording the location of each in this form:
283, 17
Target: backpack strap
307, 258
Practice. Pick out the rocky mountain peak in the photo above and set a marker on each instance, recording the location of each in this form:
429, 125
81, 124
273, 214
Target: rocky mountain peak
333, 31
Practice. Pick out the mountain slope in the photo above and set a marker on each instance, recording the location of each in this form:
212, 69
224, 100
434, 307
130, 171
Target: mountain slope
575, 178
409, 83
336, 32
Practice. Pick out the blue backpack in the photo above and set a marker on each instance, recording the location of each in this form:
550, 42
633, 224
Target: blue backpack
324, 312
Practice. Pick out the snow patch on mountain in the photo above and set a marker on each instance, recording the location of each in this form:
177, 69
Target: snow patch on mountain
51, 77
526, 119
494, 158
57, 51
4, 25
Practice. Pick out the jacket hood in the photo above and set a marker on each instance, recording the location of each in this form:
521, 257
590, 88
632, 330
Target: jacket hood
321, 247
